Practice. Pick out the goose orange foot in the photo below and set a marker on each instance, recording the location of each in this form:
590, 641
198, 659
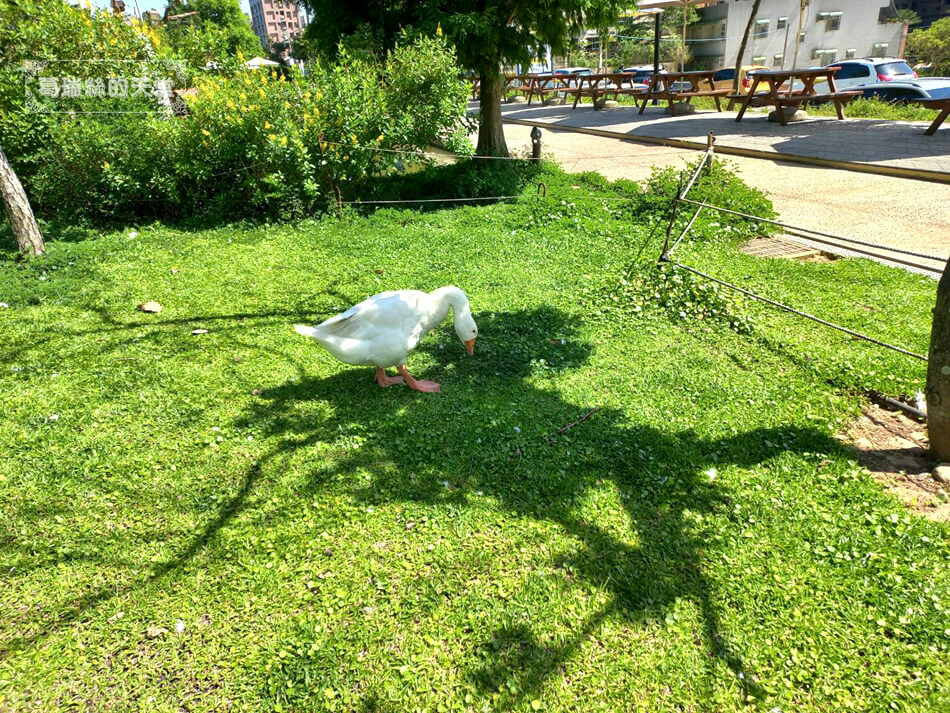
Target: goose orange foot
417, 384
383, 379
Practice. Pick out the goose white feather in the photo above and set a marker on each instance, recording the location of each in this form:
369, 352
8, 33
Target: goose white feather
383, 329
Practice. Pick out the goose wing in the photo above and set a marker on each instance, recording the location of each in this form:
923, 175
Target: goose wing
397, 311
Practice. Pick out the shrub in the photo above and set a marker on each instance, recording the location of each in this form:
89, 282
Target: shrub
257, 143
719, 185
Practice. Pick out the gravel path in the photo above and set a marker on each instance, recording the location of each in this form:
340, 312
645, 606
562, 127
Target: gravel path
913, 215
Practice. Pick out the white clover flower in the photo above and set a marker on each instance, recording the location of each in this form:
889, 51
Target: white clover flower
711, 474
179, 626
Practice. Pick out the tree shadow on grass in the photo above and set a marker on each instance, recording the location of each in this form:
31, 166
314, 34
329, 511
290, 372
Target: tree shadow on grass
498, 426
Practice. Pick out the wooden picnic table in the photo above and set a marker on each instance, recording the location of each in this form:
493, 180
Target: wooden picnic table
941, 105
608, 84
782, 92
661, 87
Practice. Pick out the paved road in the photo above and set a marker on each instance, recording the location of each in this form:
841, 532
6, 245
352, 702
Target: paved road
914, 215
889, 145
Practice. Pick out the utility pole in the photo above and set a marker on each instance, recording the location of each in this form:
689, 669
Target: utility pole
798, 37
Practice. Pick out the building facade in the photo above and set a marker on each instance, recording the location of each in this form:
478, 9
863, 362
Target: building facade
276, 20
783, 37
929, 10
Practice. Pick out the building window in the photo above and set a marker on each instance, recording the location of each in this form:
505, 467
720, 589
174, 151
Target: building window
824, 55
722, 31
832, 20
761, 28
850, 53
761, 59
801, 36
782, 23
777, 60
879, 49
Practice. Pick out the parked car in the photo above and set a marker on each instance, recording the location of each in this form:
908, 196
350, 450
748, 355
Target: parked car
575, 71
904, 91
572, 72
856, 73
723, 79
640, 73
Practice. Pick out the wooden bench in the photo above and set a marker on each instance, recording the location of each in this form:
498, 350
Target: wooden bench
662, 87
940, 105
714, 93
781, 92
544, 84
519, 83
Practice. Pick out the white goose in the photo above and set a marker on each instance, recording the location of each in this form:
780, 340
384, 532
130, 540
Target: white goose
381, 330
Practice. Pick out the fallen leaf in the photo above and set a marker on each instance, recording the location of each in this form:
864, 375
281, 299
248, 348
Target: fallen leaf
153, 632
199, 331
150, 307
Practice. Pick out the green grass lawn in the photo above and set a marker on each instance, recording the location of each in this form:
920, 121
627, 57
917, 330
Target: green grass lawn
235, 521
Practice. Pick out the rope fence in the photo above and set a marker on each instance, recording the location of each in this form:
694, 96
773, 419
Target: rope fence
681, 198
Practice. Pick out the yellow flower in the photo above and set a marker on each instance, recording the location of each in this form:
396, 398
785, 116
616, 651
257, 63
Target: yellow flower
206, 132
379, 139
283, 140
262, 93
106, 165
240, 55
266, 124
272, 137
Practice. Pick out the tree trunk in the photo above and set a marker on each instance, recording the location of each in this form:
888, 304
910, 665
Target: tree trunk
745, 40
491, 132
24, 225
938, 373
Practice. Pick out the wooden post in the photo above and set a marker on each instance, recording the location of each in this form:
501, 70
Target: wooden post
710, 140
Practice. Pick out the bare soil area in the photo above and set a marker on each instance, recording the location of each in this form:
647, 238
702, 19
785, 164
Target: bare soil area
894, 448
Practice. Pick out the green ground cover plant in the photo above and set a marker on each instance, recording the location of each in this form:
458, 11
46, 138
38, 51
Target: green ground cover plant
205, 511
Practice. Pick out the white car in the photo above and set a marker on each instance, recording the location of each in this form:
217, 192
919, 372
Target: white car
856, 73
904, 91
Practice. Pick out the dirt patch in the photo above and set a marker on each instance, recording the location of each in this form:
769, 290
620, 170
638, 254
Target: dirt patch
894, 448
821, 257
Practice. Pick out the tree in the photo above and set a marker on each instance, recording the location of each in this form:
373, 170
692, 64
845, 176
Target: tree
220, 27
938, 373
907, 15
486, 35
931, 46
745, 41
636, 37
18, 209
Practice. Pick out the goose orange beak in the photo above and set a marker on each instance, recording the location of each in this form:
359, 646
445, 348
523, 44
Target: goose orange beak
469, 346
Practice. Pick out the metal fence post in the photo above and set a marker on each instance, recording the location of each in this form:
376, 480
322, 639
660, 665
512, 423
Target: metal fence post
536, 145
